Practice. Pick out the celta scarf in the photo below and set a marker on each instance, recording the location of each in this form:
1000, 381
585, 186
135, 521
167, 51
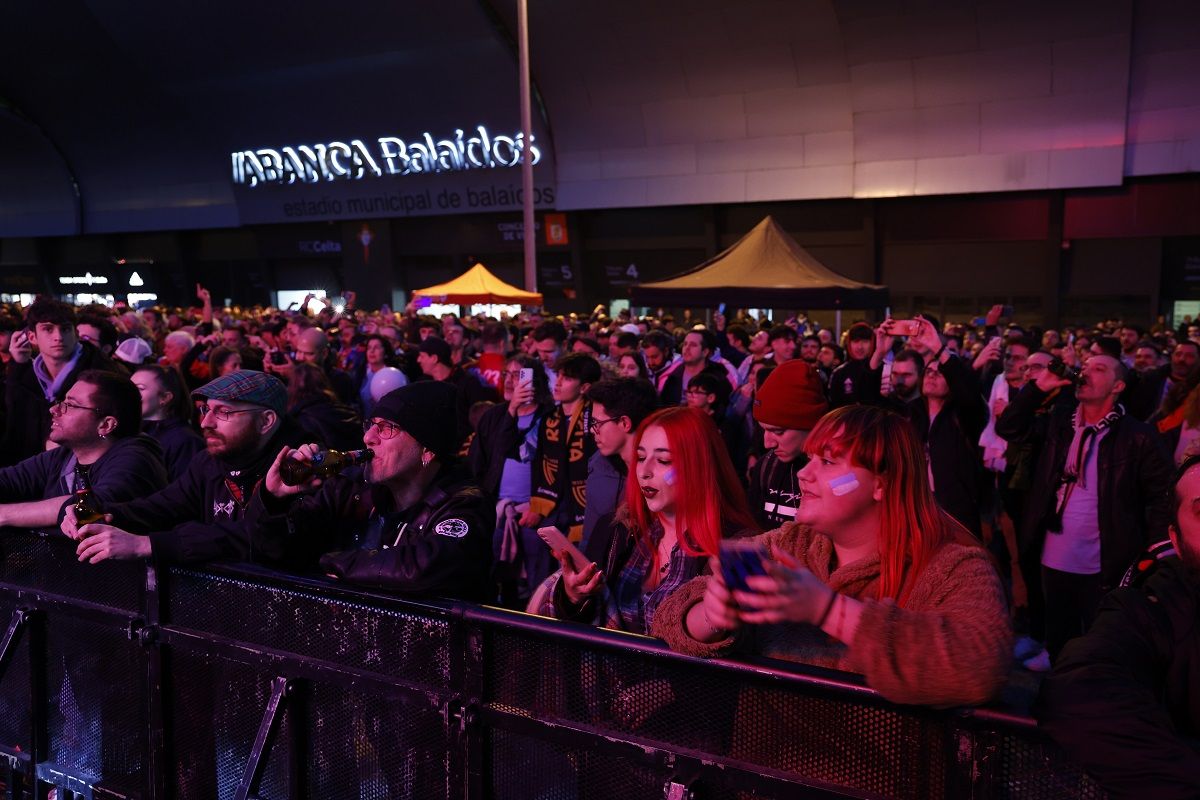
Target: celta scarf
560, 469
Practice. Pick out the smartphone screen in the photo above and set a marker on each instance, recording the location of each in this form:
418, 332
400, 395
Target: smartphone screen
740, 560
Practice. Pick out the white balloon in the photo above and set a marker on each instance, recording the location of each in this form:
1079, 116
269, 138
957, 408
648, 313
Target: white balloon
385, 380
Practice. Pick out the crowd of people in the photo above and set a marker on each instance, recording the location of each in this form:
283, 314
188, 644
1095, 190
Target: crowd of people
931, 504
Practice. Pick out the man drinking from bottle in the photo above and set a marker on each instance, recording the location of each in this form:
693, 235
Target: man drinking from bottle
412, 520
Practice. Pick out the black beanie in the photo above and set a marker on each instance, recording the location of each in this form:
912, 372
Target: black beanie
427, 411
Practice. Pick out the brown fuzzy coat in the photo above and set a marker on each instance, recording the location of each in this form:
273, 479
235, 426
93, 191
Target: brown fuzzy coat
950, 645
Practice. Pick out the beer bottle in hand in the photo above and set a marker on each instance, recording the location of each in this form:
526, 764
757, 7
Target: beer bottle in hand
294, 472
87, 507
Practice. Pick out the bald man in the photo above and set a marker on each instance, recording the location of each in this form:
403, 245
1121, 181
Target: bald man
311, 346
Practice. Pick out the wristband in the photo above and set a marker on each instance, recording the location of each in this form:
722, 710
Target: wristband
833, 596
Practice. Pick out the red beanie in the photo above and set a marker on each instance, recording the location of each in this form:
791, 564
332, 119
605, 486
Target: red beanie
791, 397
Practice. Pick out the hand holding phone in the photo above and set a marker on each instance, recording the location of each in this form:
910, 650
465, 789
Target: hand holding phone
20, 347
559, 543
905, 327
741, 560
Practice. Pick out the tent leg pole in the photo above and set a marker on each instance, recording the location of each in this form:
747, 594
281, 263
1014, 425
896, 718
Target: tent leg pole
837, 324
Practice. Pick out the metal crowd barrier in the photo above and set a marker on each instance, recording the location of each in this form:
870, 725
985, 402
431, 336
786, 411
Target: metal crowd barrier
123, 681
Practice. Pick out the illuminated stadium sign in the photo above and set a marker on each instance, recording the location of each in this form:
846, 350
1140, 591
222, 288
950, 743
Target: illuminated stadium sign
388, 155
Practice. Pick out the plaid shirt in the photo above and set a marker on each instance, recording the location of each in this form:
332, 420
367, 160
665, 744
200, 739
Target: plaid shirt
635, 606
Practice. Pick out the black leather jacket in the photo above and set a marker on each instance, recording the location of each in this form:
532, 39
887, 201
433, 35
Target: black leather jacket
1135, 479
440, 546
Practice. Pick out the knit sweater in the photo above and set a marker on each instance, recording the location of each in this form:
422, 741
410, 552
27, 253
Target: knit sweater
949, 645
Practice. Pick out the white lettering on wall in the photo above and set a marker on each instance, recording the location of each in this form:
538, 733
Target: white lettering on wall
354, 160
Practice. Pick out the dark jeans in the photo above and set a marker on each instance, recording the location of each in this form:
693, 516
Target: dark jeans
1071, 603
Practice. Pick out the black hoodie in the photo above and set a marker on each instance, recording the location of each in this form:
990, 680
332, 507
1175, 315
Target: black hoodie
179, 443
131, 468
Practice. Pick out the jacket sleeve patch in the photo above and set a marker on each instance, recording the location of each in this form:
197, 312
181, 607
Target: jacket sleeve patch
454, 528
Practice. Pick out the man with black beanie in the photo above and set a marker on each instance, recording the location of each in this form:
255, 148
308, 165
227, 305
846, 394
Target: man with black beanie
412, 520
787, 408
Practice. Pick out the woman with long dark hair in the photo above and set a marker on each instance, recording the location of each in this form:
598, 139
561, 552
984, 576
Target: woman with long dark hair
872, 577
167, 416
682, 499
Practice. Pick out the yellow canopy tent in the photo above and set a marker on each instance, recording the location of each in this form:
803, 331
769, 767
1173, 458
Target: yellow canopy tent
477, 285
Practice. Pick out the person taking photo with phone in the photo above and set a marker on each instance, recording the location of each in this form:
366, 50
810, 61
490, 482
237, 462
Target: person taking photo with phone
684, 500
871, 578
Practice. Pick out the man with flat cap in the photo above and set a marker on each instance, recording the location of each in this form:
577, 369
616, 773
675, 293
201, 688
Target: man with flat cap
414, 520
198, 517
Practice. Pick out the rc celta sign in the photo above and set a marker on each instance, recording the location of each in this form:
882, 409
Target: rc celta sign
388, 155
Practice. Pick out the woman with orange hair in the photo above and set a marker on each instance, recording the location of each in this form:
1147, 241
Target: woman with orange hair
683, 499
872, 577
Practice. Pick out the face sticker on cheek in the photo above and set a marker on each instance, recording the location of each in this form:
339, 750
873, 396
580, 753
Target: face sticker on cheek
843, 484
669, 477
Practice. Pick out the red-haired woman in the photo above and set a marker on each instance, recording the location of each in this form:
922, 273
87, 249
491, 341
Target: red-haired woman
872, 577
685, 498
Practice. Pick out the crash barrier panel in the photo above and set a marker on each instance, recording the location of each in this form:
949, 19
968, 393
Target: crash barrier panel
126, 680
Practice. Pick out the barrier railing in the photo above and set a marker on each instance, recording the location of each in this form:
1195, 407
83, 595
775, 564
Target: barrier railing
119, 680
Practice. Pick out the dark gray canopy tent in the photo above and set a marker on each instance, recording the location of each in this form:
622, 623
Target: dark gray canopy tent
765, 268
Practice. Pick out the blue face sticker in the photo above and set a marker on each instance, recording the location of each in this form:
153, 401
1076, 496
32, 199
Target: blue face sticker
669, 477
843, 484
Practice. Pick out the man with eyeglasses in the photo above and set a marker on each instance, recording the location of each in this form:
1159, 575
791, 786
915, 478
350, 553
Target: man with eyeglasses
34, 383
96, 430
412, 520
618, 407
198, 517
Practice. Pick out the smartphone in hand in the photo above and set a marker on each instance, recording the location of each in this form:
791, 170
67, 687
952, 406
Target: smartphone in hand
559, 543
906, 327
741, 560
